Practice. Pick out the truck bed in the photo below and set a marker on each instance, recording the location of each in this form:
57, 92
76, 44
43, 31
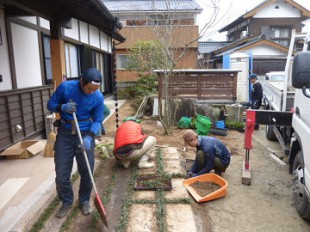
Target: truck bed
273, 95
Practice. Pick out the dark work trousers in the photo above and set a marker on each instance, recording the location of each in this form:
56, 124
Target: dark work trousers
67, 147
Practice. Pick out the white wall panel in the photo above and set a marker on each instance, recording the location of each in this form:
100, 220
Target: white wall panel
26, 56
74, 32
105, 42
29, 19
266, 50
45, 23
84, 32
94, 36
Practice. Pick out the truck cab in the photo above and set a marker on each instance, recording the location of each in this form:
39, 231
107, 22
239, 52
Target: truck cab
275, 76
299, 156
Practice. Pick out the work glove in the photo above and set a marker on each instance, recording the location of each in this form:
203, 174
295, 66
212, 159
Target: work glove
69, 107
190, 174
87, 142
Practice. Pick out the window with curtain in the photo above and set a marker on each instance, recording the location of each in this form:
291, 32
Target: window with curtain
72, 60
47, 59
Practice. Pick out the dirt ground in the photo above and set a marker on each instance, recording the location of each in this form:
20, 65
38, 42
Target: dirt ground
265, 205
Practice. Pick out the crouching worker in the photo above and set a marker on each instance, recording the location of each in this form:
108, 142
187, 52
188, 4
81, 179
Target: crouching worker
211, 154
132, 144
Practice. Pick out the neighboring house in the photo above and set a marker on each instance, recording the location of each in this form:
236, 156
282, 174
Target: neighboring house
274, 18
142, 19
262, 33
43, 43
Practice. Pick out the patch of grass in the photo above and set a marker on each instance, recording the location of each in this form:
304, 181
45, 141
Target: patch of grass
124, 218
39, 225
45, 215
161, 211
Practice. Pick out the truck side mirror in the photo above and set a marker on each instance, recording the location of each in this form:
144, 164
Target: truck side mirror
301, 70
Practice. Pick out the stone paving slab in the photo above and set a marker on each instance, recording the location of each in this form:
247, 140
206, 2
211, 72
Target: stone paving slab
178, 190
180, 218
173, 166
170, 153
142, 218
141, 195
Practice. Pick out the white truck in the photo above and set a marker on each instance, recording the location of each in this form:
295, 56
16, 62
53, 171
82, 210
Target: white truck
274, 94
299, 156
292, 128
273, 89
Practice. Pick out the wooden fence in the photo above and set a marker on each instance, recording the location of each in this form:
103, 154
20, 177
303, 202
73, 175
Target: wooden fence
203, 84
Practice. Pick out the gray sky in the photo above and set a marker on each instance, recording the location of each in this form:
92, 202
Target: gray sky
229, 11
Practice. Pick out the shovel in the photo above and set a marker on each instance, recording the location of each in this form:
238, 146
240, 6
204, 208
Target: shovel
97, 200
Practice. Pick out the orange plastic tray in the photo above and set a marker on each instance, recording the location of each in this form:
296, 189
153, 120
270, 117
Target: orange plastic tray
209, 177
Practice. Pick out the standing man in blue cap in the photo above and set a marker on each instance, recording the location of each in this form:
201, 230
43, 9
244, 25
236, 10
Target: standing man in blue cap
256, 94
83, 97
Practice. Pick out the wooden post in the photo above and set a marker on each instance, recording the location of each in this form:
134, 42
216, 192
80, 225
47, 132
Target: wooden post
58, 61
57, 53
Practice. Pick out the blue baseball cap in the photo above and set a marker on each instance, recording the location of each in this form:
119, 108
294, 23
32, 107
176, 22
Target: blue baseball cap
92, 75
253, 76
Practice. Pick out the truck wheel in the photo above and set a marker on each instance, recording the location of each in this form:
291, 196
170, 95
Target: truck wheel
301, 201
270, 135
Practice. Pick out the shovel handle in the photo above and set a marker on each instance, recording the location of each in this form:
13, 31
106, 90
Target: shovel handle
84, 152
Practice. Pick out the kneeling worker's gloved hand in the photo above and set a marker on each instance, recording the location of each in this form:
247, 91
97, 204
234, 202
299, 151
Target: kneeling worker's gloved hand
69, 107
87, 142
190, 174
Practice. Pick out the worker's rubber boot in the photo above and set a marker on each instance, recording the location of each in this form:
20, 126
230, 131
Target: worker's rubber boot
63, 210
143, 162
200, 157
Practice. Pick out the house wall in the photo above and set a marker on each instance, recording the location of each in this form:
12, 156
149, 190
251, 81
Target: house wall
284, 10
256, 25
5, 72
180, 36
265, 50
240, 61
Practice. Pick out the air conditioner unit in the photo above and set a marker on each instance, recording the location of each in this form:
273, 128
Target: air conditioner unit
49, 124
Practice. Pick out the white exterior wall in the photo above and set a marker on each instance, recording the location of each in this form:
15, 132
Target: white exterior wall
266, 50
239, 61
6, 83
26, 56
284, 11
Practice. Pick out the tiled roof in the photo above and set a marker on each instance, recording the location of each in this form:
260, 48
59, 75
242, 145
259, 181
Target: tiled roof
151, 5
208, 47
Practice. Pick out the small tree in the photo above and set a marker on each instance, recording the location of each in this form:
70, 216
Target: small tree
144, 57
165, 51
